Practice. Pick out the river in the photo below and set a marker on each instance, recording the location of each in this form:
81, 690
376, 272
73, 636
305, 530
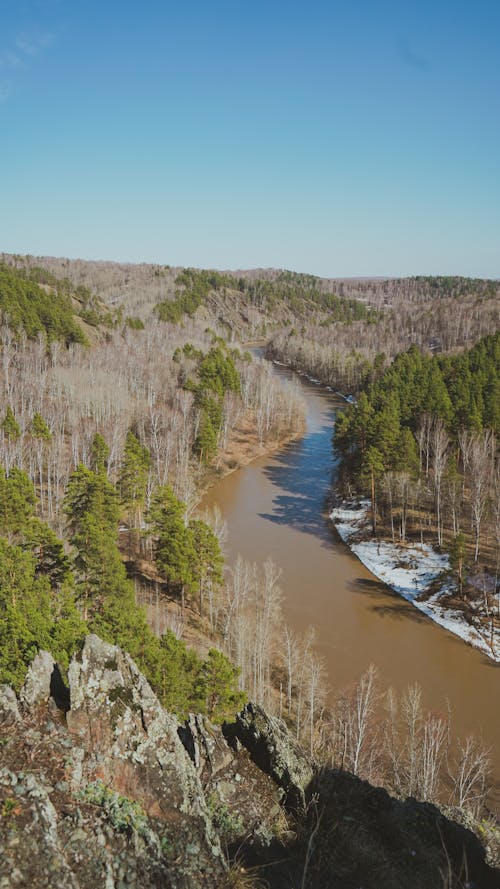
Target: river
276, 506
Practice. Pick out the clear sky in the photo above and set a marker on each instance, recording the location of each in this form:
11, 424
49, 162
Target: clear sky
339, 138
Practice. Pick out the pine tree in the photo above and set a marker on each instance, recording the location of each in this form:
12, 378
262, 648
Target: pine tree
10, 425
51, 559
91, 507
106, 594
174, 546
405, 456
99, 454
211, 416
89, 491
221, 680
133, 478
17, 502
39, 429
178, 676
32, 616
208, 559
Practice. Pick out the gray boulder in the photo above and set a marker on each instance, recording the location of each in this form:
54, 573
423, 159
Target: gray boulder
274, 750
37, 685
9, 708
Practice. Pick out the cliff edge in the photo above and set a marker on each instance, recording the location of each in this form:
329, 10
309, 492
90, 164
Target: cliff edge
100, 786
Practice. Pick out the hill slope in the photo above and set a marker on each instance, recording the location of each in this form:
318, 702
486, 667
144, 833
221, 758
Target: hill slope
370, 314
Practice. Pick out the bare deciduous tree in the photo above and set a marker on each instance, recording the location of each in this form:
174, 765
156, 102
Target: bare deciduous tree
470, 774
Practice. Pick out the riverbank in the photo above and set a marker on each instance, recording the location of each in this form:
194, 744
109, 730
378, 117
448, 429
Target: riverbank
243, 448
418, 573
244, 444
349, 399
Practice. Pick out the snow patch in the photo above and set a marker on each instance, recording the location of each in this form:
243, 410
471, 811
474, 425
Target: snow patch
409, 570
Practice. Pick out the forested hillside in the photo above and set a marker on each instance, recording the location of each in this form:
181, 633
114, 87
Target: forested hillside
31, 305
436, 314
335, 320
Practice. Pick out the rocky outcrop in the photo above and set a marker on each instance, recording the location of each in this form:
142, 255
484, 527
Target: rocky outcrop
132, 745
36, 688
100, 786
119, 721
206, 746
273, 749
9, 707
104, 790
244, 800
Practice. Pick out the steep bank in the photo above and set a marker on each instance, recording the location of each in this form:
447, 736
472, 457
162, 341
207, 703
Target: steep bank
242, 450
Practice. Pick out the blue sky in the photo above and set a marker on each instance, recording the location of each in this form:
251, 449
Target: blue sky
339, 138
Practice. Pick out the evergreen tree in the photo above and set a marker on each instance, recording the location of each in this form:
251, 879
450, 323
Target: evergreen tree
10, 425
92, 510
405, 455
51, 559
217, 372
208, 559
17, 502
174, 546
373, 468
106, 594
99, 454
205, 444
90, 492
178, 677
32, 616
221, 680
362, 423
133, 478
39, 429
387, 430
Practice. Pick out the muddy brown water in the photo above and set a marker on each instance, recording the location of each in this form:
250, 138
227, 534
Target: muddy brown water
276, 507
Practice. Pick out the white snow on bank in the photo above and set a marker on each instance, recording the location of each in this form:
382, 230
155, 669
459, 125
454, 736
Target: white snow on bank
300, 373
409, 571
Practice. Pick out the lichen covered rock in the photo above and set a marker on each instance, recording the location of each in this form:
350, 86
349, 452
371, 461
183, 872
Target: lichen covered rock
104, 794
132, 743
244, 801
274, 750
36, 688
9, 707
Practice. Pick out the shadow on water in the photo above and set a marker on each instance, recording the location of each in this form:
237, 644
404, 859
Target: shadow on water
393, 605
303, 474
